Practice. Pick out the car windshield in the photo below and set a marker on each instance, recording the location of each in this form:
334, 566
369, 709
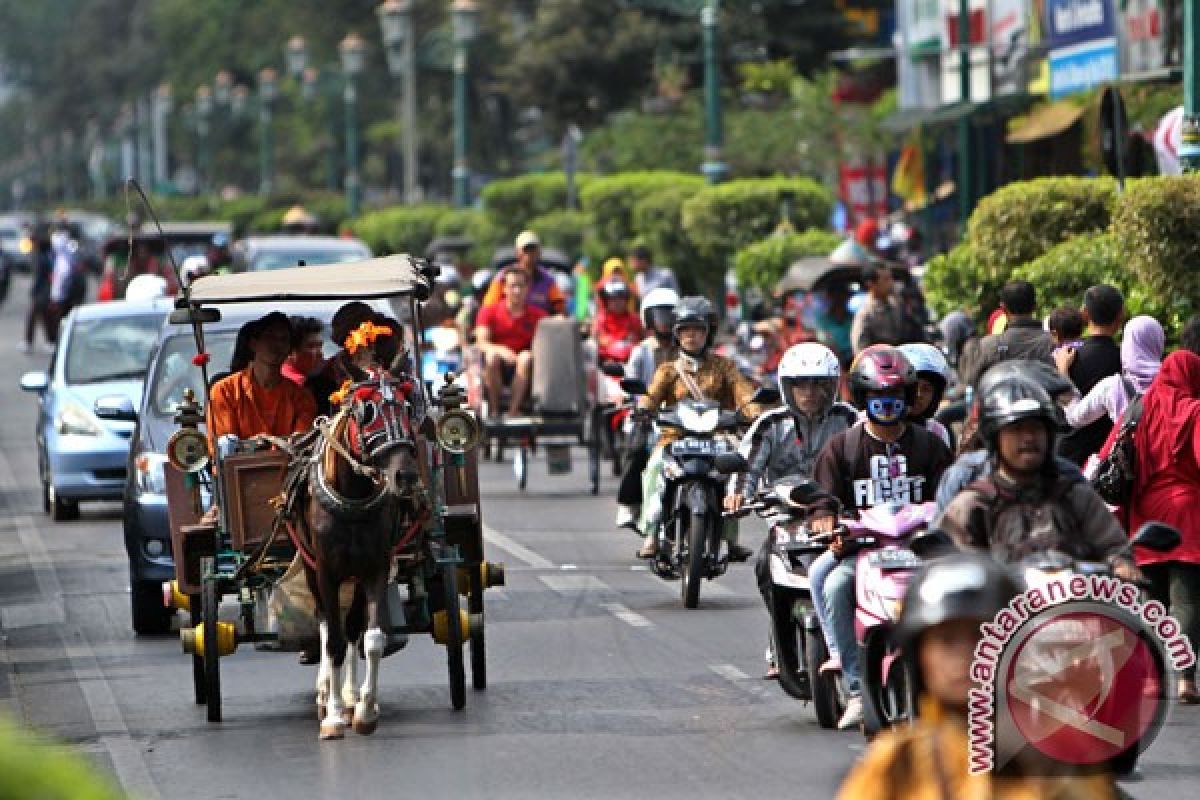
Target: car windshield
9, 233
281, 259
111, 348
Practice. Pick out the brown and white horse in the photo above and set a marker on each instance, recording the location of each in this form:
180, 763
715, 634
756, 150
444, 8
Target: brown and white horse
363, 503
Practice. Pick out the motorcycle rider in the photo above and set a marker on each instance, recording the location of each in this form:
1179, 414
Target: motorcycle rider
1027, 504
658, 318
616, 327
939, 629
881, 459
933, 375
699, 374
785, 441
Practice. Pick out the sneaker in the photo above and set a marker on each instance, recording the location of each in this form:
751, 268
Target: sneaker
832, 665
627, 518
739, 553
853, 715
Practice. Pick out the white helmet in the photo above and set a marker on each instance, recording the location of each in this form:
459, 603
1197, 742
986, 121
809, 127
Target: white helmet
663, 298
809, 361
926, 358
146, 287
192, 267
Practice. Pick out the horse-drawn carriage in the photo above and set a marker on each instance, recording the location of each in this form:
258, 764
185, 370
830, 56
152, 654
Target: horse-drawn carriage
381, 496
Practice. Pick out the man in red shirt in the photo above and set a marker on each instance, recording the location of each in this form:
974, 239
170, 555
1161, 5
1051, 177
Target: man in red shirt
504, 332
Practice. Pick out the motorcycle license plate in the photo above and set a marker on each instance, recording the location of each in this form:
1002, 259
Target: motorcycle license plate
893, 558
698, 447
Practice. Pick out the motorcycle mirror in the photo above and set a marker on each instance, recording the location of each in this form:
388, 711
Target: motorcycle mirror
728, 463
1157, 536
613, 369
766, 396
804, 493
931, 543
633, 386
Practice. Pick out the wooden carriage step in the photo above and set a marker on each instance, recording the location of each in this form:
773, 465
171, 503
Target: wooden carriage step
463, 511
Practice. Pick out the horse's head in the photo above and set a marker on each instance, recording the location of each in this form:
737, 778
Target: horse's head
381, 431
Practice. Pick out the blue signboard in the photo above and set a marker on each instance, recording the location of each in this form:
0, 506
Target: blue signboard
1079, 68
1072, 22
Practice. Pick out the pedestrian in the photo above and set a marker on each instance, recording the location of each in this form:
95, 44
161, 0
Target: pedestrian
42, 267
68, 287
1166, 489
880, 319
1093, 361
1141, 357
306, 355
646, 276
1022, 338
1066, 326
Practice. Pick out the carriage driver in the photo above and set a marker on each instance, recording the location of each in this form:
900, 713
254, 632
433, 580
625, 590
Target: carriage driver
504, 334
256, 398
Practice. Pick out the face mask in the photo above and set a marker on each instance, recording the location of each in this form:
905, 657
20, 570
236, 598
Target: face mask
886, 410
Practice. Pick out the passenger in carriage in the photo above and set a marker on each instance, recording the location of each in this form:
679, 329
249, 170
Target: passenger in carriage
339, 367
256, 398
504, 333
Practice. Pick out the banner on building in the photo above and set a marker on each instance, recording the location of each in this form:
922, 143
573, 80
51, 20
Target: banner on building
1081, 37
863, 188
1143, 45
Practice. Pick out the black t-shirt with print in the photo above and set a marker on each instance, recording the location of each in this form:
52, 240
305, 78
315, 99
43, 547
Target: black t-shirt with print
906, 471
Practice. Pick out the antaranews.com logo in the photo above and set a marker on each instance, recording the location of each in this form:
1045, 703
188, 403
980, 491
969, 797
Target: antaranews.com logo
1072, 674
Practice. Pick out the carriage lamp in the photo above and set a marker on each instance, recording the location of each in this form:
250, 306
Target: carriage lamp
458, 431
187, 450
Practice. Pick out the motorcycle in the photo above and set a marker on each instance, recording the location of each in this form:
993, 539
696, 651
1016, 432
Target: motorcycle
689, 538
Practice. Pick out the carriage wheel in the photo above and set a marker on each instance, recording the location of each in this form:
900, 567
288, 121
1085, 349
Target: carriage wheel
454, 637
521, 465
212, 654
196, 616
478, 648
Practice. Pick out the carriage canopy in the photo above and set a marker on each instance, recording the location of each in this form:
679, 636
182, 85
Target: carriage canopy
389, 276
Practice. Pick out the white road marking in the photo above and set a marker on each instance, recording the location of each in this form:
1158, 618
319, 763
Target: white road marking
124, 752
574, 583
627, 616
567, 567
517, 551
729, 672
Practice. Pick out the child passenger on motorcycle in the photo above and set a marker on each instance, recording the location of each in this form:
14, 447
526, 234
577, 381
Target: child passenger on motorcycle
880, 460
699, 374
784, 442
939, 629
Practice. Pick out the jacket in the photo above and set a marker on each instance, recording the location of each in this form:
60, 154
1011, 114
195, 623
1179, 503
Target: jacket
780, 444
1060, 513
929, 761
977, 464
877, 323
1024, 339
718, 380
646, 358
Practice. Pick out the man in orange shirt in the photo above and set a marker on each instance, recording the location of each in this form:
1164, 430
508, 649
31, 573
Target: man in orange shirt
256, 398
543, 291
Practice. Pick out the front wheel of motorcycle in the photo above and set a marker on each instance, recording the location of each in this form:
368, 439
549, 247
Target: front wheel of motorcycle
824, 687
692, 567
885, 695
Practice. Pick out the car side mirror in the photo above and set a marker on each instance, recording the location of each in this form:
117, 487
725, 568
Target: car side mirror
766, 396
188, 315
729, 463
116, 407
1157, 536
37, 381
613, 369
931, 543
633, 386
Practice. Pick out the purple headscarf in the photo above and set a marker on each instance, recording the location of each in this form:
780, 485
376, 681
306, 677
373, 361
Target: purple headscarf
1142, 351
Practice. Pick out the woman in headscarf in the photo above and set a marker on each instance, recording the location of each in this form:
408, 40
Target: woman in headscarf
1141, 357
1167, 489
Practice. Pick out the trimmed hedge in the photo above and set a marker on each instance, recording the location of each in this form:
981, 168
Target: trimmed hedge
956, 280
400, 229
563, 230
1064, 272
720, 220
1021, 221
512, 202
763, 263
658, 220
473, 223
611, 201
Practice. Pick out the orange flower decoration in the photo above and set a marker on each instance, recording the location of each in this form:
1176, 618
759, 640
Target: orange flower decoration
365, 335
338, 397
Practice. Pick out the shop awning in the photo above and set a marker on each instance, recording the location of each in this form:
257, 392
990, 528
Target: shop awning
1044, 122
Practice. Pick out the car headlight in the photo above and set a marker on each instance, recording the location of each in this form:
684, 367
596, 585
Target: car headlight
150, 473
75, 420
699, 421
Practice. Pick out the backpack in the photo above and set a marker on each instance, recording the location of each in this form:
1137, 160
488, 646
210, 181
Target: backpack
1116, 472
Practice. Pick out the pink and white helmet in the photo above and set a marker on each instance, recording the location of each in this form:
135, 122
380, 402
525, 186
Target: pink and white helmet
809, 361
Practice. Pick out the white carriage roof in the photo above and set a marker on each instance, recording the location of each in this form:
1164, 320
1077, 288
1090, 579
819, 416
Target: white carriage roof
357, 280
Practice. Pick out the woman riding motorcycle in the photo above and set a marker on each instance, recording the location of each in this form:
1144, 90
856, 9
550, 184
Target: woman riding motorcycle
784, 442
699, 374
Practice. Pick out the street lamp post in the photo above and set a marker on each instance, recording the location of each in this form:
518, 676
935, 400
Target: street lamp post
966, 159
465, 16
399, 39
267, 88
353, 52
204, 107
1189, 149
713, 168
162, 107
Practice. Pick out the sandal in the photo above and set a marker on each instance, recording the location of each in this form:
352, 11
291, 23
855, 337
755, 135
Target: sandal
1188, 695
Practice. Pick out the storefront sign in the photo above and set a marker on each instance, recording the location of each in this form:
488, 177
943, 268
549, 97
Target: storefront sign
924, 21
863, 188
1079, 68
981, 73
1142, 46
1009, 35
1072, 22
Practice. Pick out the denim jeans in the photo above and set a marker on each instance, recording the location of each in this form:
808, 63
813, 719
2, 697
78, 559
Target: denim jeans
818, 573
839, 605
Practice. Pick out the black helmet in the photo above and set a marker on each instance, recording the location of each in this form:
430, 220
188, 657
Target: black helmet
693, 312
1013, 399
881, 367
960, 586
1045, 375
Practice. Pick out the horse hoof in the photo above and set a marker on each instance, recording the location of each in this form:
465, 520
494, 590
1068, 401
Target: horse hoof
348, 715
364, 727
332, 732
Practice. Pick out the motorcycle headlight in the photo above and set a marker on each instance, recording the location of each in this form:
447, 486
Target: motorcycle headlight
150, 473
699, 421
75, 420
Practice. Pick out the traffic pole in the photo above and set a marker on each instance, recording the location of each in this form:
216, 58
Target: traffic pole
966, 157
714, 168
1189, 146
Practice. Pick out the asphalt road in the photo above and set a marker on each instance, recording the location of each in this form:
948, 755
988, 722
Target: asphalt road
601, 684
